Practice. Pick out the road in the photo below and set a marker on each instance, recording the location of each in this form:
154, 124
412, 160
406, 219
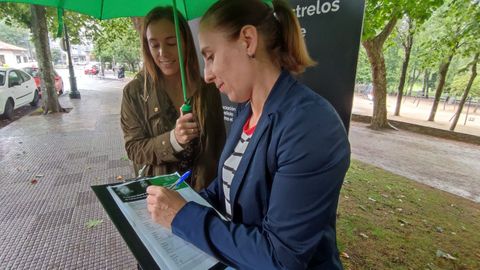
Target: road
90, 82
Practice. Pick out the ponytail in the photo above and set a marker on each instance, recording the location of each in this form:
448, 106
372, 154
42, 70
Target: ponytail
278, 26
294, 54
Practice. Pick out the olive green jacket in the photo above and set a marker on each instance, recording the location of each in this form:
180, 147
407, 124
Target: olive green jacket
147, 124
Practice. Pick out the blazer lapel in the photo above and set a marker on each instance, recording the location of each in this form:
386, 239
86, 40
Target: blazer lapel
276, 97
239, 176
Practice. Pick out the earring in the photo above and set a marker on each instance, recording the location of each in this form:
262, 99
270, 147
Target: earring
251, 56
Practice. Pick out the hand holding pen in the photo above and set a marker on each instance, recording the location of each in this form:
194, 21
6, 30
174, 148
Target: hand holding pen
163, 203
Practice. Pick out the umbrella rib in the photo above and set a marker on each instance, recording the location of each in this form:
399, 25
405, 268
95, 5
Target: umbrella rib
101, 9
186, 10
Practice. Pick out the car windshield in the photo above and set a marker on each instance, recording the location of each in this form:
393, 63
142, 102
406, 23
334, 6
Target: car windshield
2, 77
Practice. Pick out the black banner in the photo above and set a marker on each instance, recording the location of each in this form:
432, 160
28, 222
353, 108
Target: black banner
332, 30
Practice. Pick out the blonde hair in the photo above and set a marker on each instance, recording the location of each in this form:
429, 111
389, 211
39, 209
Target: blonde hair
278, 26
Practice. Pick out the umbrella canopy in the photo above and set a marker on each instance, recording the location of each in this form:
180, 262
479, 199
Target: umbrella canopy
109, 9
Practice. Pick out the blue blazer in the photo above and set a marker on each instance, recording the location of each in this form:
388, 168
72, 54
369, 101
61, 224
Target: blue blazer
285, 191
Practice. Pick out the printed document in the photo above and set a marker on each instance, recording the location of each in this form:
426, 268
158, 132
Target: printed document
167, 249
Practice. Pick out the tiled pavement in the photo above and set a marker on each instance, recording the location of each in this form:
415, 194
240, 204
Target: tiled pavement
43, 225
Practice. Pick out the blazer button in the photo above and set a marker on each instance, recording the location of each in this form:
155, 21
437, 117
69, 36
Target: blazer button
163, 142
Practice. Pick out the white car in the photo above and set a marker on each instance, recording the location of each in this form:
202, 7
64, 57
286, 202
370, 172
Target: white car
17, 89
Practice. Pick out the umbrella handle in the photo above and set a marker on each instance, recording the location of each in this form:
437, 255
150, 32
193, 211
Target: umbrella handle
186, 107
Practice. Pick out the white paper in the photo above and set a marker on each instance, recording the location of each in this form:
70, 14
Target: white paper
168, 250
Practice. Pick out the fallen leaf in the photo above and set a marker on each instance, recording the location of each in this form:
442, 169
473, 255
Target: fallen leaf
372, 199
403, 221
33, 181
119, 178
399, 209
385, 195
442, 254
363, 208
345, 255
364, 235
92, 223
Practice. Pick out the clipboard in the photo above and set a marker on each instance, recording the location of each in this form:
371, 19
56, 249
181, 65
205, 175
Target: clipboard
136, 246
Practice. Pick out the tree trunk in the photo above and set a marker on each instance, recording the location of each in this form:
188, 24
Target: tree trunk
374, 49
441, 83
408, 49
465, 93
425, 83
413, 79
137, 24
42, 46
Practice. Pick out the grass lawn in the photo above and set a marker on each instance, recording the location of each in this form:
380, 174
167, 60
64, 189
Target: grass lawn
386, 221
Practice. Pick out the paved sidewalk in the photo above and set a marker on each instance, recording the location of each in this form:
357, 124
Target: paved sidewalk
43, 225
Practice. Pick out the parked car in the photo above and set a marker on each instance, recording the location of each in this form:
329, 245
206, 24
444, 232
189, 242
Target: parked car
91, 70
17, 89
33, 71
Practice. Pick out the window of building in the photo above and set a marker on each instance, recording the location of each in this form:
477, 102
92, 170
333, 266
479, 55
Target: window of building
19, 59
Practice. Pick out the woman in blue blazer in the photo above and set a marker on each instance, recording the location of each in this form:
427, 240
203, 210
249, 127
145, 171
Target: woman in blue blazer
283, 165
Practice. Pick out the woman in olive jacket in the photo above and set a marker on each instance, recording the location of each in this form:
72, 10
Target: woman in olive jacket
156, 134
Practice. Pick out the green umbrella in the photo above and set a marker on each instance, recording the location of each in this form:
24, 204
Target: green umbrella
108, 9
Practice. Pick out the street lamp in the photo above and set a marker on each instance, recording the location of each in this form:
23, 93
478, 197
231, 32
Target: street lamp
74, 93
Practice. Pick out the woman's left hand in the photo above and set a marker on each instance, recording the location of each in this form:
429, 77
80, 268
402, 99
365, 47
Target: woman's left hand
163, 204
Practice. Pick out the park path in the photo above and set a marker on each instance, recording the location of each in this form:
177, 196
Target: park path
447, 165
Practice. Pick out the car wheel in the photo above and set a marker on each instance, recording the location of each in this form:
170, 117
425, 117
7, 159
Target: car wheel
34, 102
8, 112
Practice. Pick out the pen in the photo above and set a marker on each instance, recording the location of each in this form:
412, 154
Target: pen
181, 179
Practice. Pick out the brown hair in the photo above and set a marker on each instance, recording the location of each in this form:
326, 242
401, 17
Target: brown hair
192, 69
278, 26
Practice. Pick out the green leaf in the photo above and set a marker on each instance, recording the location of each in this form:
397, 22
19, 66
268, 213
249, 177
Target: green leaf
92, 223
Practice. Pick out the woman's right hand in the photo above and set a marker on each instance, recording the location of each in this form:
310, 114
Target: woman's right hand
186, 129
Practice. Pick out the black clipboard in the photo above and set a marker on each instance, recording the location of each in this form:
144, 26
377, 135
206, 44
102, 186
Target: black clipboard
136, 246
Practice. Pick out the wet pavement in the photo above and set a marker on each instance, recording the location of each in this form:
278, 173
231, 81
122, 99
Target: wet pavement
43, 224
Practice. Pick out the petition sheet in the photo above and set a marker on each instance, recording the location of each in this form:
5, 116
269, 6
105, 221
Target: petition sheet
167, 249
